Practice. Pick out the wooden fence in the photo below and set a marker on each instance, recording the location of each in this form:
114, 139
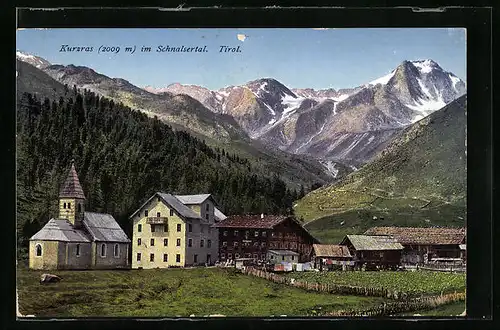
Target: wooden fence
329, 287
392, 308
404, 303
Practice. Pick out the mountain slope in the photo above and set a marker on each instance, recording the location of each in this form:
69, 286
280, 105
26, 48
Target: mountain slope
348, 125
294, 170
419, 179
36, 61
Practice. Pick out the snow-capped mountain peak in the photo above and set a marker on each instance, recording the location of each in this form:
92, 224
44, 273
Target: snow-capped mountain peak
36, 61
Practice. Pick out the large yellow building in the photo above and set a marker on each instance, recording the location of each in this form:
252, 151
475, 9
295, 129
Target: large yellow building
175, 231
78, 239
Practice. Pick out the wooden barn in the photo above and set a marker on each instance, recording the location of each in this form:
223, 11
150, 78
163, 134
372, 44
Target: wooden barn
329, 256
252, 236
423, 245
373, 252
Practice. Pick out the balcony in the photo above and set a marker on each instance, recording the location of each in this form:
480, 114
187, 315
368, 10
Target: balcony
157, 220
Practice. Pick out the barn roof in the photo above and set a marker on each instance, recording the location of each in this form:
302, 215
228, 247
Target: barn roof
104, 228
251, 221
373, 243
71, 187
421, 236
330, 250
60, 230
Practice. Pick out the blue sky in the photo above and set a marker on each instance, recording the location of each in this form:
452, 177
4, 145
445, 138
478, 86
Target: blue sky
299, 58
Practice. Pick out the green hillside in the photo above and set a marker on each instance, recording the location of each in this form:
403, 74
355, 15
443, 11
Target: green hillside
418, 180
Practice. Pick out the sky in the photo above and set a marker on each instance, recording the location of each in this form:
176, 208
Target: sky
299, 58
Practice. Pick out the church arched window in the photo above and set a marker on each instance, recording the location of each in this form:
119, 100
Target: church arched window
116, 251
69, 205
79, 207
103, 250
38, 250
78, 249
64, 205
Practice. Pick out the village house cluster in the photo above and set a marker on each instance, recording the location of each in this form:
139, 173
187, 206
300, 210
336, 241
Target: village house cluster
190, 230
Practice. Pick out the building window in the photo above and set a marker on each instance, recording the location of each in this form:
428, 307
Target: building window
78, 250
116, 251
209, 243
146, 213
178, 242
282, 257
273, 234
222, 255
206, 216
235, 244
293, 257
264, 234
165, 228
153, 228
247, 233
224, 233
69, 205
139, 241
202, 243
158, 199
38, 250
235, 233
165, 257
263, 244
165, 242
195, 258
177, 258
256, 244
224, 244
255, 256
64, 206
178, 227
236, 255
256, 233
209, 230
190, 242
152, 257
248, 255
79, 207
158, 214
171, 213
103, 250
190, 227
229, 255
208, 207
272, 257
152, 242
138, 257
139, 228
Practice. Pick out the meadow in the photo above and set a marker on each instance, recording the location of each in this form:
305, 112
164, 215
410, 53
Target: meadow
171, 293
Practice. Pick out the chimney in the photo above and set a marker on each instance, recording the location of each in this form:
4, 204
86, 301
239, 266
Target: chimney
262, 215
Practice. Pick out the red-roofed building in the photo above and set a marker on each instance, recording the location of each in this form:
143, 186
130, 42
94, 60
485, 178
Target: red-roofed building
251, 236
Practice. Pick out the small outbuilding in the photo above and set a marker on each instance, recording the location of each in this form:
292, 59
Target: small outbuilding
374, 252
282, 256
332, 256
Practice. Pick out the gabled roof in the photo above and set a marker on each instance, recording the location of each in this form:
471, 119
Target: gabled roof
71, 187
283, 252
193, 199
173, 203
60, 230
219, 216
251, 221
104, 228
421, 236
372, 243
330, 250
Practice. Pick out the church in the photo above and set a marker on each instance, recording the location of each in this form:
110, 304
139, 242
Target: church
77, 239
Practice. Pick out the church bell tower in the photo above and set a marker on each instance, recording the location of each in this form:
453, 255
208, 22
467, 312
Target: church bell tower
72, 199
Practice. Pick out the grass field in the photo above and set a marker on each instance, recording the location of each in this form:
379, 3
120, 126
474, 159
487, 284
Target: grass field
419, 282
170, 293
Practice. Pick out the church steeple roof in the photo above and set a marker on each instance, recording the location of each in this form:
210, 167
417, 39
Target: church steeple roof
71, 187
